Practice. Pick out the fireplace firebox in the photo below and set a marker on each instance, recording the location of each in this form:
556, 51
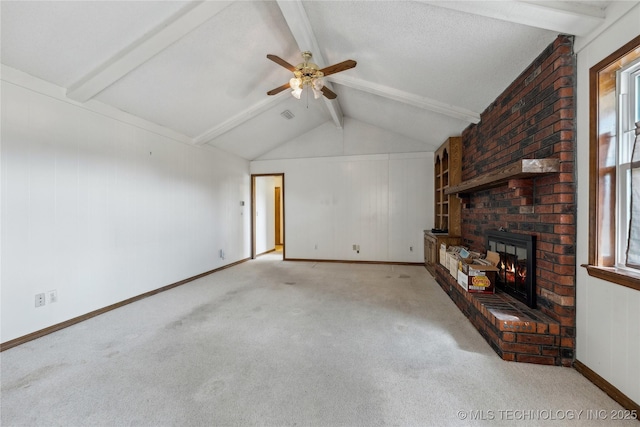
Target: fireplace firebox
517, 264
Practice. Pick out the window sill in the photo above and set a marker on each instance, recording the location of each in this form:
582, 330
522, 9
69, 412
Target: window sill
622, 277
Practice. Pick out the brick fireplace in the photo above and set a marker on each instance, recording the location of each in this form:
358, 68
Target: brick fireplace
532, 119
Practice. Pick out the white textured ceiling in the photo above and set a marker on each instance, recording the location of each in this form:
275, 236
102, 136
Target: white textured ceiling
426, 69
62, 41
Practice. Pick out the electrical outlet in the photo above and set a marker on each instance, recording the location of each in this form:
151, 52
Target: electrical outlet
52, 296
40, 300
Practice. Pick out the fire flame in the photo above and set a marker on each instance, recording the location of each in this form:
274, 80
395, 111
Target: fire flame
512, 269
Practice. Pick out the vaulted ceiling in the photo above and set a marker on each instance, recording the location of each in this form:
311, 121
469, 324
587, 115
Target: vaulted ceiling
426, 69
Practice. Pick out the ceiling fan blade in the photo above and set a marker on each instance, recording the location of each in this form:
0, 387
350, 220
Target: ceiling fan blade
328, 93
279, 89
341, 66
281, 62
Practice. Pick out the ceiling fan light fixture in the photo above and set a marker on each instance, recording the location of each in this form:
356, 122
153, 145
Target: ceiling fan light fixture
308, 74
295, 83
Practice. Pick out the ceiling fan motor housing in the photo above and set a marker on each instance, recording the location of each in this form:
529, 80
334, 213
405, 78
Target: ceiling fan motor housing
307, 71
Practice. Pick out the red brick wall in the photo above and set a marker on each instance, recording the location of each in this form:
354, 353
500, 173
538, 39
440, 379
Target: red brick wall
533, 118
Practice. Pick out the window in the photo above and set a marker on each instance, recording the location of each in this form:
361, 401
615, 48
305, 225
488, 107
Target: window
628, 90
614, 229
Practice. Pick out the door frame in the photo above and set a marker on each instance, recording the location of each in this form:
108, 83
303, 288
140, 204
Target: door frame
253, 213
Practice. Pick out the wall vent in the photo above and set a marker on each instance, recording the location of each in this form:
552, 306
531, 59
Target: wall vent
287, 114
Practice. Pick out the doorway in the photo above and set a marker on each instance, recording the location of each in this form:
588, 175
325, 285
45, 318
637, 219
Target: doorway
267, 214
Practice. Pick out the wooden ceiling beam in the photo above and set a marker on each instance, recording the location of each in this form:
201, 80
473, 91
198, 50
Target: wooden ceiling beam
407, 98
173, 29
298, 22
240, 118
563, 17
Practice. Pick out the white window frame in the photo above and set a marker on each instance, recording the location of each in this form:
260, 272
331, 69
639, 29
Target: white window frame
627, 94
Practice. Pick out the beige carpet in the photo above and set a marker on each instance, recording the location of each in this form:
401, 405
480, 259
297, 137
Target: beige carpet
280, 343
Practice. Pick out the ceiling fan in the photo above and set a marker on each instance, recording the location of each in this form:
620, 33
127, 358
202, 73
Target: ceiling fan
307, 74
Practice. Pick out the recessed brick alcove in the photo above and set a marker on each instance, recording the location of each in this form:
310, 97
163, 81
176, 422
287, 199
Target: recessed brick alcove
532, 119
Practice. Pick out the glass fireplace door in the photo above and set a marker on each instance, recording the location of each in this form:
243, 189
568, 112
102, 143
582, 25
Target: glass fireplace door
516, 274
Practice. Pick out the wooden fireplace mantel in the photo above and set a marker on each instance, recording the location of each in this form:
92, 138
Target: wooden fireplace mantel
518, 170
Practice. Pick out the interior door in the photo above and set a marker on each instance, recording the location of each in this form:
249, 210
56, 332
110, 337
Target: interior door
278, 217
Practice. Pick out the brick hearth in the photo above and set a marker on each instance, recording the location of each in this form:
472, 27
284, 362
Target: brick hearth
516, 332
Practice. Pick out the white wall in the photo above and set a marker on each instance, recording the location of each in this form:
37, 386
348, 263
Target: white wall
102, 211
381, 202
354, 139
608, 315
